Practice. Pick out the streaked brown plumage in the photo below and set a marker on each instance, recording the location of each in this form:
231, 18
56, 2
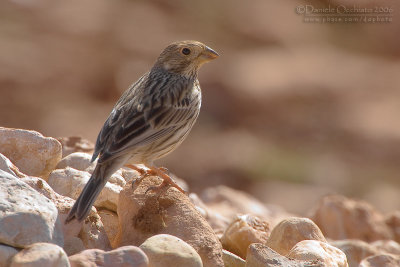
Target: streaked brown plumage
149, 120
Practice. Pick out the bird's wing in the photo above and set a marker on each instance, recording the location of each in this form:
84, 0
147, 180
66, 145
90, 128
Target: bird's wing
116, 116
138, 122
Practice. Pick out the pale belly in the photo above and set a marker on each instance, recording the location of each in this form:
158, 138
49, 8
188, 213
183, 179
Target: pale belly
165, 145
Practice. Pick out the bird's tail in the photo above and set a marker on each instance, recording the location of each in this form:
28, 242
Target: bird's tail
89, 193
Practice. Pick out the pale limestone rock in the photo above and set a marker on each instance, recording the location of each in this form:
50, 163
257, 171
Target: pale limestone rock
355, 250
40, 255
217, 221
243, 231
26, 216
129, 175
91, 231
232, 260
7, 166
169, 211
229, 203
93, 234
6, 254
384, 260
128, 256
70, 182
167, 250
291, 231
393, 221
110, 222
313, 250
259, 255
30, 151
62, 203
387, 246
341, 218
73, 245
117, 178
75, 144
78, 160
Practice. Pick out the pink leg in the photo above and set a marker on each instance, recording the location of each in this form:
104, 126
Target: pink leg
161, 172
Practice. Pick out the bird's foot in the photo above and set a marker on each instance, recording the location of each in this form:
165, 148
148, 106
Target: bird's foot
161, 172
140, 170
143, 172
167, 180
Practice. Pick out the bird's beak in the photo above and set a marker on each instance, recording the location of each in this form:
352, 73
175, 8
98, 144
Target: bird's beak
208, 54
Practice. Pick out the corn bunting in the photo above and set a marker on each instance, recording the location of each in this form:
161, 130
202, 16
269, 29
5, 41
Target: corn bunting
150, 119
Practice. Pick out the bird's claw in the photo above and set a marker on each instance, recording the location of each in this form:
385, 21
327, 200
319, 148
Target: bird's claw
161, 172
164, 170
155, 188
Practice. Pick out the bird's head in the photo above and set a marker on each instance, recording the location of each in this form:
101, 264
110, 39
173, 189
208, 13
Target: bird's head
185, 57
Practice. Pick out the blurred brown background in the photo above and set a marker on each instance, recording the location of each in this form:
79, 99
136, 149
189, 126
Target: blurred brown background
291, 110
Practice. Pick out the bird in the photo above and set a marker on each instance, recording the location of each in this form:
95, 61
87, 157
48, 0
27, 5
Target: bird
150, 120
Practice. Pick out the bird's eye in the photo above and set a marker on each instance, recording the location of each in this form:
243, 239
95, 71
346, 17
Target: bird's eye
186, 51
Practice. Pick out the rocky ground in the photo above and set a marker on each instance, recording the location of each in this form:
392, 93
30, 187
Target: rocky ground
289, 108
294, 116
41, 177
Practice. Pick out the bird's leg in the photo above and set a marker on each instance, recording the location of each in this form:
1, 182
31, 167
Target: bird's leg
164, 170
144, 172
163, 173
